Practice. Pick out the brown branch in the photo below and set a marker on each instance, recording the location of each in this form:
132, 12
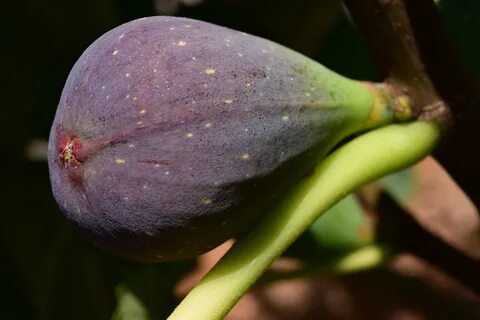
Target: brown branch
387, 30
398, 228
413, 52
459, 153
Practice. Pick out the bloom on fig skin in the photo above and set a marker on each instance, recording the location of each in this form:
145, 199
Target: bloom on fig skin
173, 135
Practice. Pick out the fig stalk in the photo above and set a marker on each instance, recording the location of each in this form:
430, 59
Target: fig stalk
364, 159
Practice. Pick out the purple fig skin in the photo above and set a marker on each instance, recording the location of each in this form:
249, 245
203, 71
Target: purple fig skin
173, 135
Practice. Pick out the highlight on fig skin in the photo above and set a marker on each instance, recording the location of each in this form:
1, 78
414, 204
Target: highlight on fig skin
173, 135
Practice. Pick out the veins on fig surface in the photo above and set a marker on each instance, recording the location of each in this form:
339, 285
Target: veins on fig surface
173, 135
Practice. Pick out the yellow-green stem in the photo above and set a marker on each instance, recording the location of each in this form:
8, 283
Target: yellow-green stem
364, 159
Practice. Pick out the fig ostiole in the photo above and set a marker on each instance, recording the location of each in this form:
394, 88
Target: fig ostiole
173, 135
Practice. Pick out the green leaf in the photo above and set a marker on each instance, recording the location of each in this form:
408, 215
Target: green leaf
129, 306
400, 185
146, 290
343, 227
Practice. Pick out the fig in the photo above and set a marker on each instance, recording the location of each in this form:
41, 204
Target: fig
173, 135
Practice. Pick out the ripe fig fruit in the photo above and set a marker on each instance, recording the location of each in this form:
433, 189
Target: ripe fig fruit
173, 135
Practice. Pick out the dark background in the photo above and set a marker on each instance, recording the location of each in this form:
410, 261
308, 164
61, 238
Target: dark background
47, 270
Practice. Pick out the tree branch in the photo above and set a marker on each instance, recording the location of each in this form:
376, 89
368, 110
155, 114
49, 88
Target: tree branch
399, 229
386, 27
414, 54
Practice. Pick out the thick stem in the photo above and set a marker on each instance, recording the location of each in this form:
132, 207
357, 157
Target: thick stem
360, 161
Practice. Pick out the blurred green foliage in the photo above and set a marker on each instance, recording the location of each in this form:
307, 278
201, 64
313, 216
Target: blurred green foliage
343, 227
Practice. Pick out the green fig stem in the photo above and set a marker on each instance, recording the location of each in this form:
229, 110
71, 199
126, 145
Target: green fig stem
388, 105
362, 160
